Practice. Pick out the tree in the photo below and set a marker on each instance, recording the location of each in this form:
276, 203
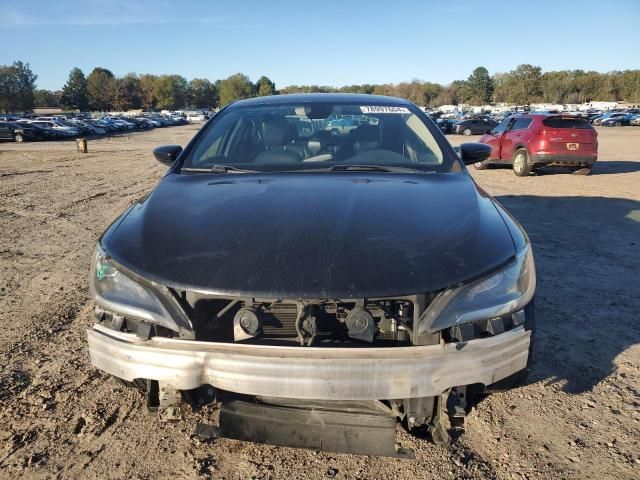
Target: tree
479, 86
202, 93
524, 84
147, 85
170, 92
74, 92
127, 93
47, 98
100, 89
235, 87
17, 86
265, 87
431, 92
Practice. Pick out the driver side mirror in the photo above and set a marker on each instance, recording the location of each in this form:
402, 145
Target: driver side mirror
474, 152
166, 154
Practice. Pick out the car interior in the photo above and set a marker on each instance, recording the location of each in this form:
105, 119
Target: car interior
281, 136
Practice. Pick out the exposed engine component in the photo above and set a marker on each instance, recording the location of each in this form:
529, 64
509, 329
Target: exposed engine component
305, 322
361, 325
308, 329
246, 324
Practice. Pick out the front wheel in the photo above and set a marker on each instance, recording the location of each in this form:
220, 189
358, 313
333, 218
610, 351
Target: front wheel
18, 138
466, 132
521, 165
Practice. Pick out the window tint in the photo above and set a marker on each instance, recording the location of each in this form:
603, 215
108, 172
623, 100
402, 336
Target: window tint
566, 122
521, 124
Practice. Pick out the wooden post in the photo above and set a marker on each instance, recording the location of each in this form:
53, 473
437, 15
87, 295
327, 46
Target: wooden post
81, 145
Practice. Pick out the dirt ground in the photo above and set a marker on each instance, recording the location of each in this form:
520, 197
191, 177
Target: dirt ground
59, 418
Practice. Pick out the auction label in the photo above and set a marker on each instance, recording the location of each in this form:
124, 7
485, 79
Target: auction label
382, 109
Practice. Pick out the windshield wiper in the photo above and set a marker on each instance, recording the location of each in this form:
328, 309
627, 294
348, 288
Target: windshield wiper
371, 168
219, 169
229, 169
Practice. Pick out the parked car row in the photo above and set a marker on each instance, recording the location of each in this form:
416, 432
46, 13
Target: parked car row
60, 127
620, 118
469, 124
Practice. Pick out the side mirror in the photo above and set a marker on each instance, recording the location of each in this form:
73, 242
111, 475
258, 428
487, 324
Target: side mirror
474, 152
166, 154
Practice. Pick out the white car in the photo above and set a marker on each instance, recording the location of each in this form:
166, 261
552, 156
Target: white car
196, 117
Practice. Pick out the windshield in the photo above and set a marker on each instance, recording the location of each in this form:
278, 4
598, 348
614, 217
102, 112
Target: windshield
312, 135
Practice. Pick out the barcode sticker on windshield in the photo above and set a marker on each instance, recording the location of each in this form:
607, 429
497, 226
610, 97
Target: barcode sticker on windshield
383, 109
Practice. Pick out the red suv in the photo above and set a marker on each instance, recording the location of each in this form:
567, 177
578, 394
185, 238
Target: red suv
531, 141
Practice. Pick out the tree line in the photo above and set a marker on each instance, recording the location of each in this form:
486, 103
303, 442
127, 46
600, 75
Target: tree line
524, 85
101, 90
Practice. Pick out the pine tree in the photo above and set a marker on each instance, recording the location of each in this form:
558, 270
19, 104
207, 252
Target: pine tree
74, 92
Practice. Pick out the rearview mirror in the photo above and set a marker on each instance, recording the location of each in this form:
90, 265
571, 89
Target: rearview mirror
167, 154
474, 152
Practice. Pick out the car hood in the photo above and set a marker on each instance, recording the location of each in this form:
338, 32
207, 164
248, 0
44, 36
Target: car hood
312, 235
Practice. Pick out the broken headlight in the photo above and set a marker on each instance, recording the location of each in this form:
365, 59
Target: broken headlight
118, 293
501, 293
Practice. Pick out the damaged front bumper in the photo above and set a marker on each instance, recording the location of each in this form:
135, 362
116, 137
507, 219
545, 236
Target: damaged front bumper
311, 373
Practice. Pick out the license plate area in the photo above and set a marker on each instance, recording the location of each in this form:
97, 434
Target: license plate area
573, 146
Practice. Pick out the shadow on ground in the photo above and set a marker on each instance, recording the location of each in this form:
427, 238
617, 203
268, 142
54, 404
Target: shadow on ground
587, 252
615, 167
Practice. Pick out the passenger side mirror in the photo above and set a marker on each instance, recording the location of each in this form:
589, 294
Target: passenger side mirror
474, 152
167, 154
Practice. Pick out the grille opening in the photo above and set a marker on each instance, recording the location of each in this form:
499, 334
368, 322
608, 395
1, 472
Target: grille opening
213, 320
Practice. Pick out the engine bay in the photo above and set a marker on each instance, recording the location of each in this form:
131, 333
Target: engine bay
334, 323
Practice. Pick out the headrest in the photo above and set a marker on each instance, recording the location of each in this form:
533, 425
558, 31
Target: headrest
274, 130
367, 137
367, 133
292, 133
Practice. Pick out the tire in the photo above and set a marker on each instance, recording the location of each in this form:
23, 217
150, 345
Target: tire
466, 132
18, 138
138, 383
521, 165
481, 166
582, 171
617, 124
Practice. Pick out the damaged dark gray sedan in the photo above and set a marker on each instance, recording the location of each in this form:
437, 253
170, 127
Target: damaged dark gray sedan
320, 285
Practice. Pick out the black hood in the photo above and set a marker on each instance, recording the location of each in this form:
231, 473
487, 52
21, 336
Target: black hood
312, 235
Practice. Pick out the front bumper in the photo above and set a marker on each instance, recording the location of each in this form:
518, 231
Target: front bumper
311, 373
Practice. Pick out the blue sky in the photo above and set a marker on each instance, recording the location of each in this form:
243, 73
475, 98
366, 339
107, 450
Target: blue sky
324, 42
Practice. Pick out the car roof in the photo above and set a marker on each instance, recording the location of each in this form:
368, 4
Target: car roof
323, 97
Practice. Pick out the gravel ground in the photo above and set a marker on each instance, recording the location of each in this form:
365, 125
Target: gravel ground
59, 418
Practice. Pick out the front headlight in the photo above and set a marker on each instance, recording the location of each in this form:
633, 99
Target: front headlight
501, 293
116, 292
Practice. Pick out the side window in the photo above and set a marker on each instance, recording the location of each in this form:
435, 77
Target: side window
521, 124
502, 126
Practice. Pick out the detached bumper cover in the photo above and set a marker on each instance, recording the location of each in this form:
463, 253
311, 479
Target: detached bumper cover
311, 373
